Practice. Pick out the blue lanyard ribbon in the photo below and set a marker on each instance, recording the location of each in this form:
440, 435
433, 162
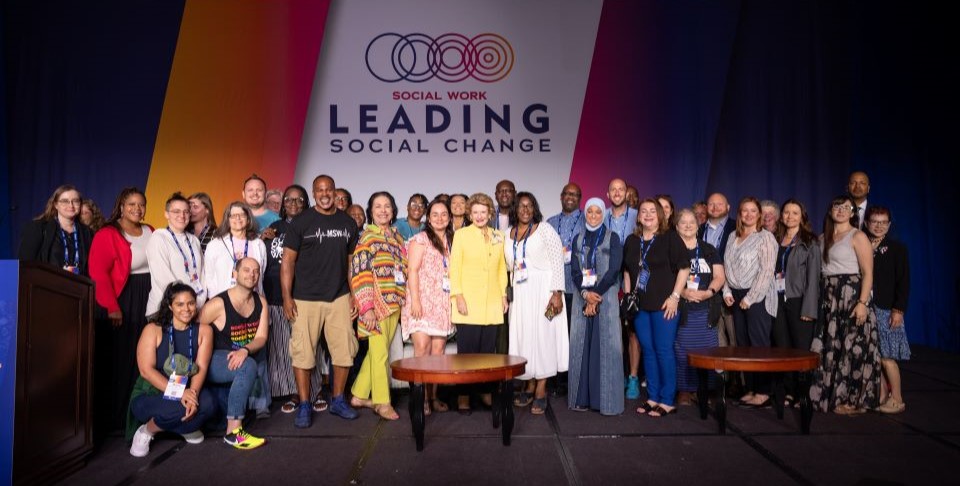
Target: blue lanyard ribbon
695, 264
193, 257
593, 250
233, 249
76, 249
525, 235
786, 253
189, 348
644, 249
568, 233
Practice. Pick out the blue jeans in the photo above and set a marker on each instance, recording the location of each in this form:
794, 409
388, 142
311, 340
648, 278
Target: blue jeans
657, 336
241, 381
167, 414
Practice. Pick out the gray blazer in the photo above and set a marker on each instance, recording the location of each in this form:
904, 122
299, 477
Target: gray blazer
803, 276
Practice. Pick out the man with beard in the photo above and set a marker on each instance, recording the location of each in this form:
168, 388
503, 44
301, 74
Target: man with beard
255, 196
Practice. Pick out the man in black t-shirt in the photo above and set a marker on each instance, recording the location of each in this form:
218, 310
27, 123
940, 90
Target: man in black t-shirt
317, 250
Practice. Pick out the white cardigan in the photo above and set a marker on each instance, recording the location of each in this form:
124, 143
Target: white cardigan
218, 264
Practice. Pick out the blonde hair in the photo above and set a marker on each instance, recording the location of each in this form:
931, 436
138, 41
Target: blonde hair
481, 198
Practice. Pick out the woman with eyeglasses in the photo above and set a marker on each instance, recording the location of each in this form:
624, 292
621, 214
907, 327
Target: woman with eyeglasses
235, 238
57, 236
412, 223
848, 379
119, 268
282, 382
174, 254
538, 319
891, 290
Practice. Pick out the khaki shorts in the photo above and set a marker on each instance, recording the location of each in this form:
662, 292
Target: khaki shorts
333, 319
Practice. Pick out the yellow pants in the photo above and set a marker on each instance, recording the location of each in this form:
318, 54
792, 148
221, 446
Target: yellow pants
374, 375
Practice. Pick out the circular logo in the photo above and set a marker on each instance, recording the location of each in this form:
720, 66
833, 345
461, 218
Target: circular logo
416, 58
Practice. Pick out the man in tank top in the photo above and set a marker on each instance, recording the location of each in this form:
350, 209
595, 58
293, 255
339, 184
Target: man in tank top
240, 328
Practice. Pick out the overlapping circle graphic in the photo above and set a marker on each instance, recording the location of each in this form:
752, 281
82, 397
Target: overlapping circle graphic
393, 57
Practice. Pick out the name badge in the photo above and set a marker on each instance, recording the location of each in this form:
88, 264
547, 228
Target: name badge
780, 283
198, 288
567, 254
72, 269
589, 278
176, 385
643, 279
398, 276
693, 282
519, 272
445, 284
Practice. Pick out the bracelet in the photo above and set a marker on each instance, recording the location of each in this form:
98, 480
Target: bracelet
675, 296
248, 350
712, 292
862, 302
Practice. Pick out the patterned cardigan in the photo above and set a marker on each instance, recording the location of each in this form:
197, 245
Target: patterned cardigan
378, 256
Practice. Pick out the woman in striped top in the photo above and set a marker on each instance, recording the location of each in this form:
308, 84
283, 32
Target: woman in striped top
749, 263
378, 271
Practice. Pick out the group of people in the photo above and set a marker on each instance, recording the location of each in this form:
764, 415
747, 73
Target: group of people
199, 317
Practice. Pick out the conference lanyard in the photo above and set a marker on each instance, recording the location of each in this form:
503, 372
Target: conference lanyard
76, 250
593, 250
623, 228
644, 249
525, 235
233, 249
695, 266
173, 366
570, 231
186, 268
786, 253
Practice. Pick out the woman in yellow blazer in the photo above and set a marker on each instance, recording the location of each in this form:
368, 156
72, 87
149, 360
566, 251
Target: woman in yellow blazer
478, 282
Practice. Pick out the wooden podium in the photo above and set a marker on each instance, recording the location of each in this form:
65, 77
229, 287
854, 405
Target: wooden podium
53, 429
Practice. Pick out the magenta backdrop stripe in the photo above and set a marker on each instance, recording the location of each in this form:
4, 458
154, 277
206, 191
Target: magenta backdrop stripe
611, 140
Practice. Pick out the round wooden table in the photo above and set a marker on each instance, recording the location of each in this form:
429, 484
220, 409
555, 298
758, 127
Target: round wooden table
754, 359
460, 369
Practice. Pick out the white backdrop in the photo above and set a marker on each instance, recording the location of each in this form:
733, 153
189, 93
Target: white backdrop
536, 54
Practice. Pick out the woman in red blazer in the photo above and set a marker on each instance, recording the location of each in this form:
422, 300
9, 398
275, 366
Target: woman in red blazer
118, 267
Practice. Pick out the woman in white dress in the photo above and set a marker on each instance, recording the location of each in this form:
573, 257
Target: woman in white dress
538, 320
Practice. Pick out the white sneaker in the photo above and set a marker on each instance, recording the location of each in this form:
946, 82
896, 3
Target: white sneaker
141, 442
194, 437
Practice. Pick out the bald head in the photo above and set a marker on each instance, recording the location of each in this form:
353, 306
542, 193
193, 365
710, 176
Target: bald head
617, 192
570, 198
717, 207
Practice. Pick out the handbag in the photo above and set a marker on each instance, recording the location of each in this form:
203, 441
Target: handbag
629, 306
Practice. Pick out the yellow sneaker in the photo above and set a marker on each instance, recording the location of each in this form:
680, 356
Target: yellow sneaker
241, 439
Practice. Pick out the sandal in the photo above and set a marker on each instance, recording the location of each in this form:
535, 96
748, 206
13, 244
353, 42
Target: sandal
386, 411
319, 404
660, 411
539, 406
360, 403
646, 407
439, 405
289, 406
523, 399
892, 406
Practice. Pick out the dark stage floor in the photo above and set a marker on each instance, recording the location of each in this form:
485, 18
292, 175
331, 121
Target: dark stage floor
920, 446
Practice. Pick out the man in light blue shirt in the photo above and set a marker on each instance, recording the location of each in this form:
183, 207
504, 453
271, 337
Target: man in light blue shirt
620, 218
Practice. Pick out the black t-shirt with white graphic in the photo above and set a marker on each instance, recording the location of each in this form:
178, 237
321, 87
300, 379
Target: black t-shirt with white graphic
323, 244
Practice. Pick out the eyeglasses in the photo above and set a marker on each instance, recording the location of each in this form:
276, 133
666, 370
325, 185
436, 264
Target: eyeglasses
878, 223
843, 208
416, 205
340, 198
238, 216
72, 202
289, 199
